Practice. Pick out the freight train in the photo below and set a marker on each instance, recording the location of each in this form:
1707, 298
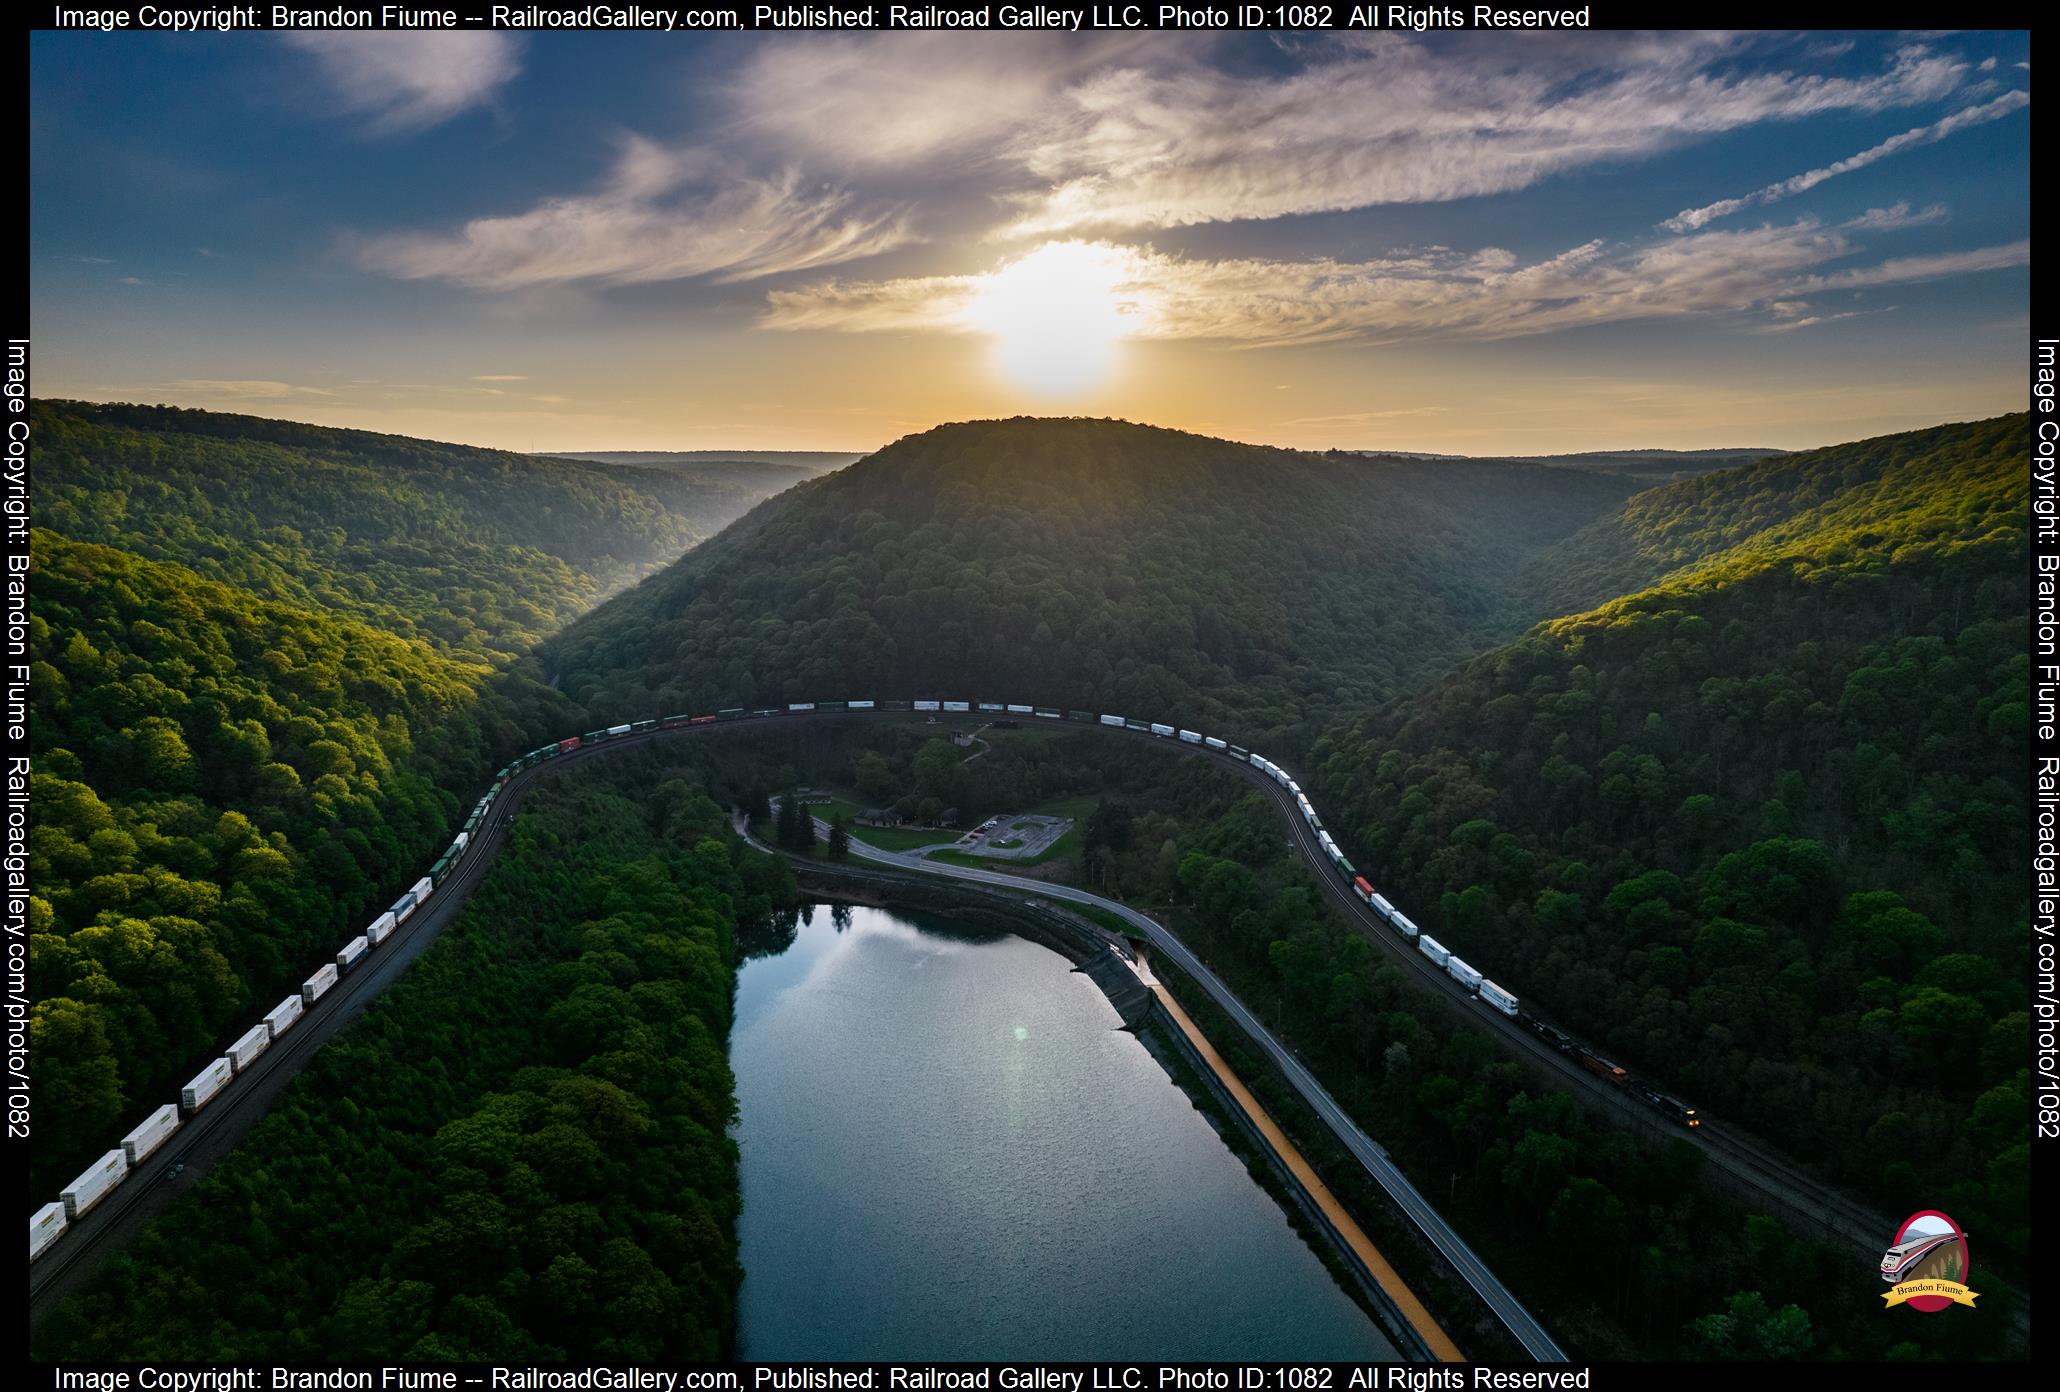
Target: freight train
49, 1223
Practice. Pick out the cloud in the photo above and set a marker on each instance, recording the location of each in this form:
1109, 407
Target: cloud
1368, 417
851, 101
1437, 293
1388, 119
402, 82
499, 377
1692, 218
1896, 217
1789, 326
244, 389
663, 215
1907, 270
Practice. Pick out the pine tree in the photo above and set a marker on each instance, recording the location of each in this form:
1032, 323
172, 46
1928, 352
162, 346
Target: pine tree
783, 828
840, 837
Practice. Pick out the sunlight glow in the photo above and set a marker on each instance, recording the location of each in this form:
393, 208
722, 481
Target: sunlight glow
1055, 315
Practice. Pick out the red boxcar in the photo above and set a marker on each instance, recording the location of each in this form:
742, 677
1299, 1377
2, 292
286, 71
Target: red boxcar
566, 746
701, 720
1365, 890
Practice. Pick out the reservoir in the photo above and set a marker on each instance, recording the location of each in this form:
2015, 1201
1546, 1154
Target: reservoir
950, 1151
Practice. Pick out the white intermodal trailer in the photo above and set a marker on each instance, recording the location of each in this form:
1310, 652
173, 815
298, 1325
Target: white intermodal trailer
46, 1225
993, 706
421, 890
1405, 927
1115, 720
1220, 746
317, 986
206, 1085
861, 705
614, 730
1015, 709
929, 705
1162, 731
1433, 949
377, 930
285, 1015
799, 707
1463, 974
155, 1130
959, 707
352, 953
255, 1041
94, 1185
1190, 736
1499, 998
1382, 907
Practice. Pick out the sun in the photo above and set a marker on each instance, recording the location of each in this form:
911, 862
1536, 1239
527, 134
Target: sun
1055, 315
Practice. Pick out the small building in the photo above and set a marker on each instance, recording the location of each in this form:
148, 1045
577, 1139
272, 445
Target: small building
880, 816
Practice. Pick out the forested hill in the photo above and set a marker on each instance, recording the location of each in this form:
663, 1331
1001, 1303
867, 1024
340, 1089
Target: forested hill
799, 464
395, 530
1092, 562
272, 663
1794, 501
1758, 830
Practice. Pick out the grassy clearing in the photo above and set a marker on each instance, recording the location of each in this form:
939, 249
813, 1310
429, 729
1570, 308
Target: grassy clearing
880, 838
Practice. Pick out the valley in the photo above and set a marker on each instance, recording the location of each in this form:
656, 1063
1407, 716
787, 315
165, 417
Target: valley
1132, 811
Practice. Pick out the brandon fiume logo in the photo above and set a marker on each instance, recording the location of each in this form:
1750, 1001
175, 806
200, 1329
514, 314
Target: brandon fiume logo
1927, 1264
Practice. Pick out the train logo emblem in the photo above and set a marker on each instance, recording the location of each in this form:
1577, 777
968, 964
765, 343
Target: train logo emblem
1926, 1265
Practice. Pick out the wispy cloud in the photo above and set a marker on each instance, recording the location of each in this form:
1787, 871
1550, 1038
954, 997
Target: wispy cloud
1693, 218
663, 215
1368, 417
1435, 293
1896, 217
851, 101
245, 389
1906, 270
1386, 119
499, 377
401, 82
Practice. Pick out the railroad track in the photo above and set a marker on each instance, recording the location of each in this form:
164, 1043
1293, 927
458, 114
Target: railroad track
213, 1131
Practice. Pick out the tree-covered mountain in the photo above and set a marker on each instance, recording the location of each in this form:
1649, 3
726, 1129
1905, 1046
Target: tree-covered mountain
784, 467
271, 663
1092, 562
1796, 501
1758, 829
481, 551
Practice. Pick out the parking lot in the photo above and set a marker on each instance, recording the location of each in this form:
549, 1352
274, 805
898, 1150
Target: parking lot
1013, 836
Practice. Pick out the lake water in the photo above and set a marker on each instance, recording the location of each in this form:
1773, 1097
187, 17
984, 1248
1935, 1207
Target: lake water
951, 1151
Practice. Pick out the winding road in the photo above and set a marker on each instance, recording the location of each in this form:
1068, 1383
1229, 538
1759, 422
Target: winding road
209, 1135
1493, 1293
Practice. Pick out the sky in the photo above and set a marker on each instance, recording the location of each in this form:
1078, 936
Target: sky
1466, 243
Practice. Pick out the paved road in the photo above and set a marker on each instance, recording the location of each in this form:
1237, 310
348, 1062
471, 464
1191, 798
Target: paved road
205, 1138
1405, 1195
